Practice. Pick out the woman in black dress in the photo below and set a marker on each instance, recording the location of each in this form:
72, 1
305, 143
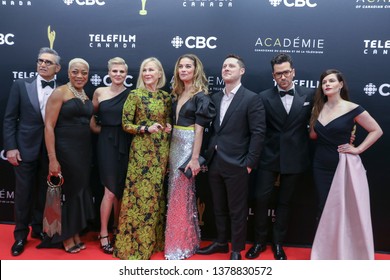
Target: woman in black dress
113, 146
333, 120
68, 143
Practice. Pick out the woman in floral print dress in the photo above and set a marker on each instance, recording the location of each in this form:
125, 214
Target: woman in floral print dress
146, 114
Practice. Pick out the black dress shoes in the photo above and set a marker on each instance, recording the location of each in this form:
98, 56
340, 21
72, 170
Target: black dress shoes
279, 253
18, 247
235, 256
38, 235
213, 248
255, 251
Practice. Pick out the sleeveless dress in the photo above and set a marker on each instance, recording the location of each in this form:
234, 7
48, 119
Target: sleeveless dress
344, 230
182, 233
142, 214
113, 144
73, 150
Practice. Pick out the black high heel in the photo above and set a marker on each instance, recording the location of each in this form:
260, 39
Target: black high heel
107, 248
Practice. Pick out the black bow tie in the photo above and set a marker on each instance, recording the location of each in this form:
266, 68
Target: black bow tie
289, 92
50, 84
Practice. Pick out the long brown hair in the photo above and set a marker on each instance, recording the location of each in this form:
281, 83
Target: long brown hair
320, 98
199, 82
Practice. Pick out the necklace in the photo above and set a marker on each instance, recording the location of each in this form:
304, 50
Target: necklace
80, 95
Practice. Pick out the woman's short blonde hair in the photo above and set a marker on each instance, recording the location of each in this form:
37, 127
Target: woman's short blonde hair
117, 61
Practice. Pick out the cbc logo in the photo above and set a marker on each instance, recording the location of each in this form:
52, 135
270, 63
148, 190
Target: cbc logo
6, 39
293, 3
85, 2
384, 89
195, 42
96, 80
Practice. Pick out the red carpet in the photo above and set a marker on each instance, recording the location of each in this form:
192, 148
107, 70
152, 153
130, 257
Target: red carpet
93, 251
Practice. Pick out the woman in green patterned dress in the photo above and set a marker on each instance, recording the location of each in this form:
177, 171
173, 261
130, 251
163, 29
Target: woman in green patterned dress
146, 114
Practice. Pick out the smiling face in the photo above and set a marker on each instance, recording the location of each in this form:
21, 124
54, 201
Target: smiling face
331, 85
117, 74
151, 75
47, 66
78, 75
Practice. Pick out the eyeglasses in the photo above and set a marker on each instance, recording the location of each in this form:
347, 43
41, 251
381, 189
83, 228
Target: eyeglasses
286, 73
47, 62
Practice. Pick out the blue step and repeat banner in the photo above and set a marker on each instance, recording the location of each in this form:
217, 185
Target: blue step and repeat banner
350, 35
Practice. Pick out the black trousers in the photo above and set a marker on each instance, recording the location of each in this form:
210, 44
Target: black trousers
229, 189
265, 184
30, 196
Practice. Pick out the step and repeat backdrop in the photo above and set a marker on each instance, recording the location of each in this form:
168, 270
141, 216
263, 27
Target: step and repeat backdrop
351, 35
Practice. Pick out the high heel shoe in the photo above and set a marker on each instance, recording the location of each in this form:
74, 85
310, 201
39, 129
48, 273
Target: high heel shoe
81, 245
107, 248
72, 250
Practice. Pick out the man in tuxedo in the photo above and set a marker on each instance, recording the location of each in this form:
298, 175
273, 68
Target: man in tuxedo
234, 150
25, 148
285, 153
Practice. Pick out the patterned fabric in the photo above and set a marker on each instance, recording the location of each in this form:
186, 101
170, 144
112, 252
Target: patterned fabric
141, 219
182, 234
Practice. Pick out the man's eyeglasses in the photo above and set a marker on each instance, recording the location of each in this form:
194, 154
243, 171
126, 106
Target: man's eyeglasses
47, 62
286, 73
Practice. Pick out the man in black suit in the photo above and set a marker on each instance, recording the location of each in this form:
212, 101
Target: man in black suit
234, 150
25, 148
285, 153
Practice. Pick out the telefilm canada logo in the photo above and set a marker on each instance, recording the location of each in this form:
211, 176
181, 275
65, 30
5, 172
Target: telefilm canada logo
208, 3
290, 45
371, 89
112, 41
372, 4
376, 47
293, 3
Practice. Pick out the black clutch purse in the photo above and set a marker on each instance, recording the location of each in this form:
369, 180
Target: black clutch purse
188, 173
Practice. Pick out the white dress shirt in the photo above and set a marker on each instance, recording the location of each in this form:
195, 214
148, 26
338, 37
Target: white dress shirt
226, 100
287, 100
43, 95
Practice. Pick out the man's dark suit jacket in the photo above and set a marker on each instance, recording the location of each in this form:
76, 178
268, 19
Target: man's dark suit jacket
23, 124
239, 138
286, 145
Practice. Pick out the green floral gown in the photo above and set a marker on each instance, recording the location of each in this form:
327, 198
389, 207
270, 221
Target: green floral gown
141, 220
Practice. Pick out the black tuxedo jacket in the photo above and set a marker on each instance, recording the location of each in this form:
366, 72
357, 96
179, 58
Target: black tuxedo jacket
286, 145
239, 138
23, 124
